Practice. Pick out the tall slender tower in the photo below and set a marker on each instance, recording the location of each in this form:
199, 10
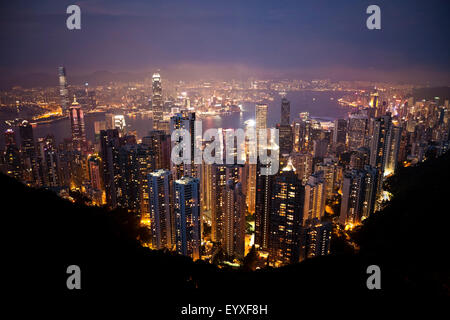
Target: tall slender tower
187, 217
28, 153
161, 206
77, 126
286, 215
157, 101
63, 92
285, 111
261, 116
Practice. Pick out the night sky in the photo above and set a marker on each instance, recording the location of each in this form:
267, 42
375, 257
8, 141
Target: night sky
327, 39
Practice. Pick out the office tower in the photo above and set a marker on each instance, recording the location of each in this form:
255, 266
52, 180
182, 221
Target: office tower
187, 217
63, 91
285, 138
261, 117
340, 132
129, 183
316, 238
303, 162
234, 220
95, 173
220, 175
358, 195
263, 204
28, 153
48, 162
157, 101
146, 164
305, 135
159, 143
110, 144
379, 148
186, 122
285, 218
95, 189
251, 187
357, 130
314, 205
162, 219
285, 112
77, 126
393, 144
12, 156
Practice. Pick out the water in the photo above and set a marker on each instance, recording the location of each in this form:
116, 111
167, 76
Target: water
320, 104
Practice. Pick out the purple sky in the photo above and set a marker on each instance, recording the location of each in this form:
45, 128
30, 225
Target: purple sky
326, 39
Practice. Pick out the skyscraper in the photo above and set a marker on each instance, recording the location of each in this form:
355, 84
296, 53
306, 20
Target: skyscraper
157, 100
109, 151
77, 126
263, 205
358, 195
234, 220
160, 191
187, 217
340, 132
285, 112
186, 122
314, 205
63, 92
261, 116
12, 156
286, 215
357, 130
28, 153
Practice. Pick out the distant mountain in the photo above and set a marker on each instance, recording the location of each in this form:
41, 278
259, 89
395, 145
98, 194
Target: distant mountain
47, 80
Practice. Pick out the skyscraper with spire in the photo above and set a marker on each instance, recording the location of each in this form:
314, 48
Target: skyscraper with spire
63, 91
77, 126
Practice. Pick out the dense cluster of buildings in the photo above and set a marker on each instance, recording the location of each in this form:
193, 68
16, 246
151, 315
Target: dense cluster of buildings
327, 176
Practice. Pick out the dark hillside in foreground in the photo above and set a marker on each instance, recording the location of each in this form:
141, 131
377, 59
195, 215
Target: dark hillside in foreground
43, 234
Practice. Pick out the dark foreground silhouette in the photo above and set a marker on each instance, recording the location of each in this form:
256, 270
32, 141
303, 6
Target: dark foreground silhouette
43, 234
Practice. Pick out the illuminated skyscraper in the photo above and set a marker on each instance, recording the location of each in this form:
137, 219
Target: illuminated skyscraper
187, 217
263, 205
48, 162
285, 112
358, 195
157, 100
159, 143
261, 116
234, 220
314, 205
77, 126
28, 153
109, 147
186, 122
12, 156
340, 132
63, 92
357, 130
286, 216
160, 193
316, 238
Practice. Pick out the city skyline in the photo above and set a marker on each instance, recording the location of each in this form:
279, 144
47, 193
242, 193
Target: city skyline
212, 151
